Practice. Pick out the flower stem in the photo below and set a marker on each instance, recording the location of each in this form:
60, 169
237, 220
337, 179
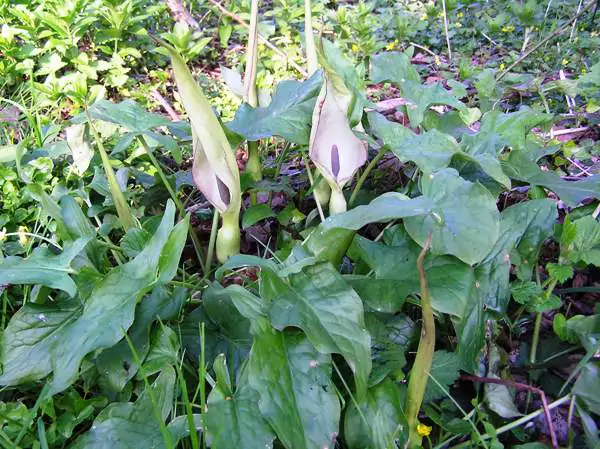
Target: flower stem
365, 174
419, 373
228, 237
211, 243
163, 177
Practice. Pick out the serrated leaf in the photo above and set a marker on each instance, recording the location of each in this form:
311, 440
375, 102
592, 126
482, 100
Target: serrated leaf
293, 381
43, 267
318, 300
380, 421
124, 425
288, 115
444, 369
525, 292
561, 273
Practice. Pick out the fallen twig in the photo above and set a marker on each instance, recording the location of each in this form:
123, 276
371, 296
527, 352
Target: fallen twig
166, 106
180, 14
266, 41
521, 386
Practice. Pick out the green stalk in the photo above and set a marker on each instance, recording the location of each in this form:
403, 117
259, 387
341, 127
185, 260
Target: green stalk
228, 237
123, 210
365, 174
161, 174
538, 325
211, 242
419, 374
253, 166
309, 38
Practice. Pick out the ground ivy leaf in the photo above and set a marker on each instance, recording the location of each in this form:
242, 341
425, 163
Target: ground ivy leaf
289, 114
319, 301
256, 213
586, 244
235, 421
444, 369
383, 423
464, 220
44, 267
297, 396
124, 425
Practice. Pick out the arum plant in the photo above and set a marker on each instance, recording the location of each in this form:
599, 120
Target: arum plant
253, 166
214, 169
333, 147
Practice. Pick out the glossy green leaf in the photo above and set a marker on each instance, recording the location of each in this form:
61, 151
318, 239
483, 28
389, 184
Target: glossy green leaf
43, 267
118, 364
124, 425
256, 213
586, 244
384, 422
128, 114
233, 419
293, 381
394, 67
464, 220
319, 301
288, 115
587, 387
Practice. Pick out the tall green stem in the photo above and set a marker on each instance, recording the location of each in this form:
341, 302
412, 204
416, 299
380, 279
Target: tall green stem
211, 242
365, 174
253, 167
538, 325
163, 177
123, 210
419, 373
309, 38
228, 237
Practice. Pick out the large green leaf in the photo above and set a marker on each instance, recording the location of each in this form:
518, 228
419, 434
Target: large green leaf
128, 114
464, 220
131, 425
450, 280
587, 387
289, 114
317, 300
118, 364
380, 422
586, 245
97, 324
233, 419
394, 67
44, 267
520, 167
293, 381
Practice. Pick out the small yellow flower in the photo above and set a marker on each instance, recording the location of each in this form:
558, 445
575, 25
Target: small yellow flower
502, 66
508, 29
460, 14
458, 25
423, 430
355, 48
583, 71
437, 60
2, 234
23, 239
424, 17
391, 45
565, 61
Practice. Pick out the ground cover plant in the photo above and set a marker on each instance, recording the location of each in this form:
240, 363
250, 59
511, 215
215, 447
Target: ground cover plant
299, 224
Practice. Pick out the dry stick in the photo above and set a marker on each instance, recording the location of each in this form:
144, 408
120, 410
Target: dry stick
446, 31
520, 386
551, 36
180, 14
266, 41
166, 106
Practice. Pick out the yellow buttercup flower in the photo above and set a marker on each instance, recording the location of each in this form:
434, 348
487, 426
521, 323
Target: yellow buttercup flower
458, 25
2, 234
460, 14
23, 239
391, 45
502, 66
355, 48
508, 29
437, 60
565, 61
423, 430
